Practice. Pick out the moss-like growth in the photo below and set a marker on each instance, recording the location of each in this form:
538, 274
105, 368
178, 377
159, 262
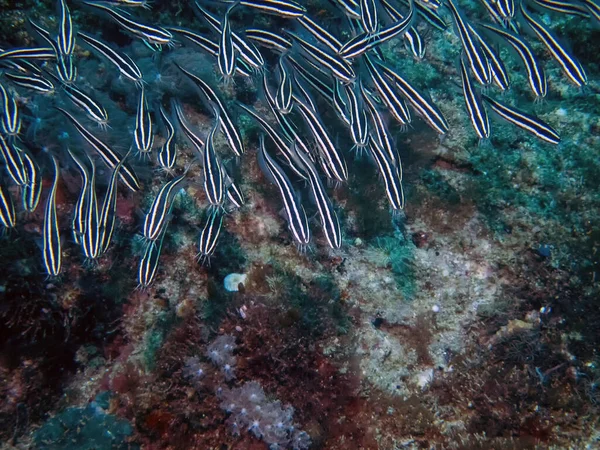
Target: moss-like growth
88, 428
400, 252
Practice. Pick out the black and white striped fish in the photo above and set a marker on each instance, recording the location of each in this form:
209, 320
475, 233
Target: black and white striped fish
359, 124
388, 94
8, 216
320, 33
228, 127
109, 156
227, 57
337, 66
13, 161
369, 16
477, 112
247, 51
283, 96
66, 68
327, 149
52, 249
127, 66
295, 214
535, 72
32, 190
475, 55
148, 266
144, 132
92, 237
235, 195
167, 155
108, 213
282, 8
268, 39
209, 236
327, 215
524, 121
87, 104
152, 34
66, 36
212, 170
392, 176
196, 141
158, 215
79, 222
29, 53
31, 81
569, 64
11, 119
564, 6
424, 107
498, 69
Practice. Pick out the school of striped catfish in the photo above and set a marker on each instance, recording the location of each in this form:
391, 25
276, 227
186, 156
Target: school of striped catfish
301, 70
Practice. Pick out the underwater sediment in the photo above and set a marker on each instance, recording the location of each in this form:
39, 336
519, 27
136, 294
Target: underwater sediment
353, 224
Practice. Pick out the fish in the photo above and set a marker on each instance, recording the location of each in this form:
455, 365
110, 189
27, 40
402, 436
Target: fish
412, 36
32, 190
144, 133
29, 53
283, 97
86, 103
13, 161
564, 6
350, 7
167, 155
475, 56
431, 16
506, 8
91, 238
268, 39
524, 121
426, 109
196, 141
492, 9
282, 8
148, 266
126, 66
282, 142
109, 156
535, 72
593, 8
569, 64
152, 34
52, 249
228, 127
498, 69
320, 33
66, 68
388, 94
11, 119
340, 103
319, 85
235, 195
477, 112
380, 129
391, 175
158, 215
79, 222
338, 67
366, 41
369, 16
327, 149
327, 215
8, 216
66, 36
145, 4
212, 170
226, 57
209, 236
108, 213
294, 211
247, 51
359, 125
33, 82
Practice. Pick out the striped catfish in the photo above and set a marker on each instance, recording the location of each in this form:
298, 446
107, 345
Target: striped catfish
295, 214
51, 248
476, 110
